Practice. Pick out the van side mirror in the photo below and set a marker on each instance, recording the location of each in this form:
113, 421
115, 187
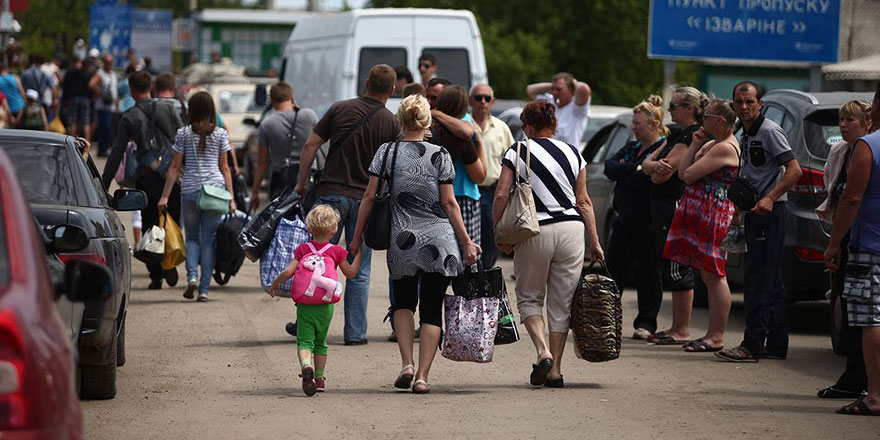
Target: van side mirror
69, 238
87, 281
129, 200
261, 95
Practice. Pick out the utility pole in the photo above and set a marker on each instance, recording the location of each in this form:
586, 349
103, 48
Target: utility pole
269, 4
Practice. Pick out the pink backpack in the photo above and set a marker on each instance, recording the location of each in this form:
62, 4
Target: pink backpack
315, 280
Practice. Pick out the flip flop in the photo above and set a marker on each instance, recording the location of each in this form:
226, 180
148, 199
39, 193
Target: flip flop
539, 372
737, 354
664, 339
700, 346
421, 383
858, 408
833, 392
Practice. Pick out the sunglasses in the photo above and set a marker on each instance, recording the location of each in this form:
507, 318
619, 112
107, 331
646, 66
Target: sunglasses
484, 98
425, 65
673, 106
713, 115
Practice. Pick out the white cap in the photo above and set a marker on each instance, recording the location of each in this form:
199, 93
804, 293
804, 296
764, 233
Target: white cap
32, 94
94, 52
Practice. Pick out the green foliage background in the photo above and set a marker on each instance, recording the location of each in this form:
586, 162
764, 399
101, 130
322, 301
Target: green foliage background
602, 42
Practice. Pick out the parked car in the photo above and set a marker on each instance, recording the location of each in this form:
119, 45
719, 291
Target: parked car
37, 370
65, 189
810, 122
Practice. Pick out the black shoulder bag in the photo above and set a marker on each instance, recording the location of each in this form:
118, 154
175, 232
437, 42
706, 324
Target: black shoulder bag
742, 193
378, 232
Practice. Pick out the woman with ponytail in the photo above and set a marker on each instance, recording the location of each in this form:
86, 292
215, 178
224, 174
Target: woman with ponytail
686, 109
429, 243
632, 241
205, 148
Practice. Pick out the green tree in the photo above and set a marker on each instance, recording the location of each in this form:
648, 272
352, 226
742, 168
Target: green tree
602, 42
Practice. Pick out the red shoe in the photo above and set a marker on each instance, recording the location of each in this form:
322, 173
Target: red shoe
319, 384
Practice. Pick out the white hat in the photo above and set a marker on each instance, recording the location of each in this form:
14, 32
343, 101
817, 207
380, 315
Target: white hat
94, 52
32, 94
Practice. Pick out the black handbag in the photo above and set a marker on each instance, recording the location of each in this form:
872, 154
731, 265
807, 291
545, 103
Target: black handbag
742, 193
378, 232
476, 282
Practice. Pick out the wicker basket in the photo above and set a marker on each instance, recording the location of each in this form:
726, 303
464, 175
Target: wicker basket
597, 317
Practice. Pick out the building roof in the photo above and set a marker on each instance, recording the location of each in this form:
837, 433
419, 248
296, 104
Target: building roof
866, 68
253, 16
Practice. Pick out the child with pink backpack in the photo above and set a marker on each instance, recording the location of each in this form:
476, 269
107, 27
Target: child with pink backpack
316, 288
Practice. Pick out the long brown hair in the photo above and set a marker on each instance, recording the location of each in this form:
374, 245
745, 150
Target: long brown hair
202, 116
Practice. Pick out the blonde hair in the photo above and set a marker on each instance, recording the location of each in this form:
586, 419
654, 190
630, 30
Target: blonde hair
692, 96
724, 108
414, 113
653, 109
322, 220
860, 110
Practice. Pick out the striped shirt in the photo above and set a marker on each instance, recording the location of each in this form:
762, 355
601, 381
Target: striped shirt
208, 171
555, 166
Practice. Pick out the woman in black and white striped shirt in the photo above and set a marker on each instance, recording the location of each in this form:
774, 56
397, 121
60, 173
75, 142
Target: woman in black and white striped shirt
206, 149
549, 264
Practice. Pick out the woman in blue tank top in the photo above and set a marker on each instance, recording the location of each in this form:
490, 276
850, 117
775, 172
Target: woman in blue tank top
10, 84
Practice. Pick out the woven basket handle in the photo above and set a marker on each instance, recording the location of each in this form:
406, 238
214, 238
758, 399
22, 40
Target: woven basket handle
604, 268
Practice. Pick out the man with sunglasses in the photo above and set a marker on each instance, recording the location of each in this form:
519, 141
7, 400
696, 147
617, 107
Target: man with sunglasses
572, 101
427, 67
496, 138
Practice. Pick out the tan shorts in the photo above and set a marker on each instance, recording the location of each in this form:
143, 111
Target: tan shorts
550, 261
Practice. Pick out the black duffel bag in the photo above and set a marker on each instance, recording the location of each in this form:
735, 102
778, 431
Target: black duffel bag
258, 232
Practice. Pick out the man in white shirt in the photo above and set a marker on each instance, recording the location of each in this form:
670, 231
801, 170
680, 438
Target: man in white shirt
572, 100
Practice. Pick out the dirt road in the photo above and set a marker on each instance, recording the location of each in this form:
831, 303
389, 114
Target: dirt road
226, 369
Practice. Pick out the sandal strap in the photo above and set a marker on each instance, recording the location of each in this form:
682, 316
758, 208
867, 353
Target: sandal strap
420, 382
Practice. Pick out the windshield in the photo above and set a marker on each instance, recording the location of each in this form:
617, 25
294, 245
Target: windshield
43, 172
594, 123
821, 131
238, 102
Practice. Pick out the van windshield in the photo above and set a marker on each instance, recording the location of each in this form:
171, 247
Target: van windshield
371, 56
821, 132
452, 64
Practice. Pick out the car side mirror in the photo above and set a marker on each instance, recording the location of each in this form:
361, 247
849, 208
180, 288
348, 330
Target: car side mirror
129, 200
250, 122
87, 281
261, 95
69, 238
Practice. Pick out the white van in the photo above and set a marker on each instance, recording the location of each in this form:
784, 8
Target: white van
328, 57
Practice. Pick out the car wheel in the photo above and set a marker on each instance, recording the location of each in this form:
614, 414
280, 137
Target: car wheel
120, 346
99, 381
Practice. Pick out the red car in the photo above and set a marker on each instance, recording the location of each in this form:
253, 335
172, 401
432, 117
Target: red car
38, 394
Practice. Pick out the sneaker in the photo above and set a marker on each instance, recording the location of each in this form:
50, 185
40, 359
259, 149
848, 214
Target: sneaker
319, 384
203, 296
308, 382
290, 328
642, 333
171, 276
191, 287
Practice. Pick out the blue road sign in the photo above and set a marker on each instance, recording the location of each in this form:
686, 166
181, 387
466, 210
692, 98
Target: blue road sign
110, 30
801, 31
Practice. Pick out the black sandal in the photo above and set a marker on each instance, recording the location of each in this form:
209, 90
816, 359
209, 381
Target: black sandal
539, 372
833, 392
700, 346
858, 408
555, 383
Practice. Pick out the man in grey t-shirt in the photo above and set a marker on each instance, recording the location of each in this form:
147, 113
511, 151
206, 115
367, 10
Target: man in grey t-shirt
770, 166
280, 139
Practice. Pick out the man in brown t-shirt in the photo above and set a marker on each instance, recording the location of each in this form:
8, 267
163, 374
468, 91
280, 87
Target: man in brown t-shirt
356, 129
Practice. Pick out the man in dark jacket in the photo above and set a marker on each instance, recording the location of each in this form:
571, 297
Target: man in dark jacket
134, 125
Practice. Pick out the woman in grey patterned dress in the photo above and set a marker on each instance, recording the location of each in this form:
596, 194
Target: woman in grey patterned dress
428, 237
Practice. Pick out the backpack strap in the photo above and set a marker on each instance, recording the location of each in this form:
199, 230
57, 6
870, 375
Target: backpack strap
312, 248
324, 249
